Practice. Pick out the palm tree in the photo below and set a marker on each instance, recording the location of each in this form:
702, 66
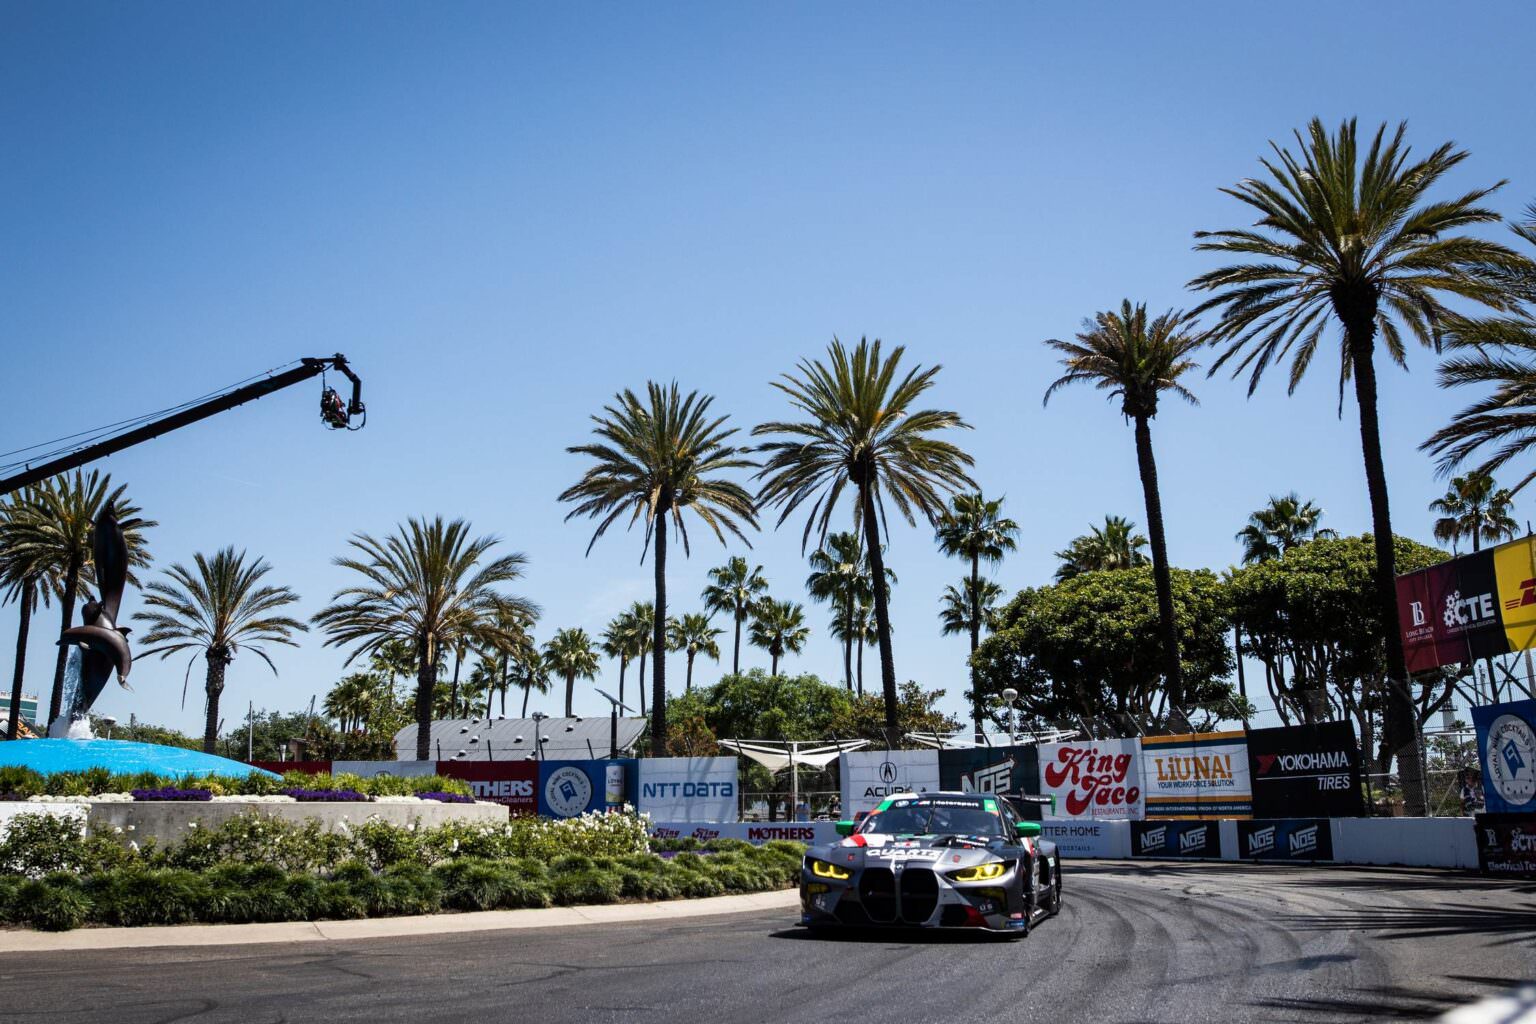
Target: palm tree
55, 540
619, 642
974, 529
1474, 507
1116, 546
21, 581
1356, 242
642, 617
1279, 526
531, 674
840, 574
969, 607
656, 459
734, 589
693, 635
779, 627
351, 701
571, 655
861, 431
217, 610
1137, 361
432, 585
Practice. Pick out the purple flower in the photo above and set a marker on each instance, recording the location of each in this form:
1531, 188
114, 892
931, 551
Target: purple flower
447, 798
172, 793
328, 795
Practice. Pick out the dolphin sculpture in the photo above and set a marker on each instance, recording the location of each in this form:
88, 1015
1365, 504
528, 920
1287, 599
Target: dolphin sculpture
103, 643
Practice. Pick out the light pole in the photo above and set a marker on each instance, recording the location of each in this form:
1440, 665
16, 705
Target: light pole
613, 721
538, 734
1009, 696
109, 722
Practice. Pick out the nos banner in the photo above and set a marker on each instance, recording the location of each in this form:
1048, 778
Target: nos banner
1199, 775
1506, 746
1304, 770
1000, 770
674, 789
1092, 779
1286, 839
1475, 606
1166, 839
869, 776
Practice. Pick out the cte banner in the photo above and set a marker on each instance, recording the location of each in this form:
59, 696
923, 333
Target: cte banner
869, 776
675, 789
1000, 770
1196, 775
1173, 839
1285, 839
1506, 844
1305, 770
1474, 606
1506, 747
1092, 779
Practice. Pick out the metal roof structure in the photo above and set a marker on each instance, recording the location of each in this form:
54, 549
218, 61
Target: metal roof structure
513, 739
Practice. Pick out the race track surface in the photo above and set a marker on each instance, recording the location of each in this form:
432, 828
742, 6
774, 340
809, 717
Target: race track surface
1135, 942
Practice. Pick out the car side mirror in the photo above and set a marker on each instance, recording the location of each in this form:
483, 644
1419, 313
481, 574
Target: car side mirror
845, 828
1030, 829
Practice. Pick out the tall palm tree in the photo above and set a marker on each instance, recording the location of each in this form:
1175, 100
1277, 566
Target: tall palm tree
974, 529
694, 635
1477, 508
658, 457
55, 539
642, 617
1279, 526
1116, 546
530, 672
778, 627
351, 701
861, 431
1137, 361
619, 642
840, 575
23, 581
969, 607
431, 584
570, 654
733, 589
1353, 240
217, 610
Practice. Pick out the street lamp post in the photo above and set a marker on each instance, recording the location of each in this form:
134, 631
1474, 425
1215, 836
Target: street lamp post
1009, 696
538, 734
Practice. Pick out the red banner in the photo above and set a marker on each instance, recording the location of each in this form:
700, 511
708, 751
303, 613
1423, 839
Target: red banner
513, 783
1451, 613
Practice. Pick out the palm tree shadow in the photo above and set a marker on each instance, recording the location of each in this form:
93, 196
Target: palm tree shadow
1504, 925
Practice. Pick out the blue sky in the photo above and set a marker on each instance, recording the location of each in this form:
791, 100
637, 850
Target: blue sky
504, 213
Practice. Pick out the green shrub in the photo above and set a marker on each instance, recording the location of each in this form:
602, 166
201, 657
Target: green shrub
729, 846
382, 845
56, 903
472, 883
588, 885
693, 884
136, 896
18, 782
8, 886
336, 901
36, 844
570, 862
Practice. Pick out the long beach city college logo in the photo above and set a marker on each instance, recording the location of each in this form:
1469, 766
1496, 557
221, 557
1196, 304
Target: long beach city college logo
1417, 608
1511, 759
568, 791
887, 772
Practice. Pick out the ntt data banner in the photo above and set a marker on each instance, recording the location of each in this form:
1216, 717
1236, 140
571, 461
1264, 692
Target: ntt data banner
674, 789
869, 776
1506, 746
1305, 770
1471, 607
1092, 779
1198, 775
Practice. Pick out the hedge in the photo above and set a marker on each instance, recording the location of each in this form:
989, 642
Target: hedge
19, 783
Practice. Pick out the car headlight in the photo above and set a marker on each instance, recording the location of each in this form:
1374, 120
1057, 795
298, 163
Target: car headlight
822, 869
981, 872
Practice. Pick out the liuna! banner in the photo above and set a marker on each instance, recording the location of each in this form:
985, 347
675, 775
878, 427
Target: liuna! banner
1092, 779
1196, 775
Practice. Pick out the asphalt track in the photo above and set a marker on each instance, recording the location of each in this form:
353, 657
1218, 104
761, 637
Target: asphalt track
1134, 942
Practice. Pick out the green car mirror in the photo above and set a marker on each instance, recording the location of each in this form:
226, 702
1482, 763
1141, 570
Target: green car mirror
1030, 829
845, 828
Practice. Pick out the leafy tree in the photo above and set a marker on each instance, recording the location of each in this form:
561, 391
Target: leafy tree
657, 458
693, 635
1116, 546
917, 712
861, 431
355, 699
53, 542
216, 610
840, 574
1089, 647
1279, 526
24, 582
1137, 361
778, 627
1353, 241
430, 585
734, 589
570, 654
1477, 508
974, 529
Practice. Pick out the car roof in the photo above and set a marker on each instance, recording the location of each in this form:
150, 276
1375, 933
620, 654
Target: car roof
943, 797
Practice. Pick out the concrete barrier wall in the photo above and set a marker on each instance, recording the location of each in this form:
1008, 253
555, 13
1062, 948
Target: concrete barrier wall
1408, 842
11, 808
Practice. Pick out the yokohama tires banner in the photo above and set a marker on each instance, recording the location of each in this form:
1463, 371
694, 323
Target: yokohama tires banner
1305, 770
1092, 779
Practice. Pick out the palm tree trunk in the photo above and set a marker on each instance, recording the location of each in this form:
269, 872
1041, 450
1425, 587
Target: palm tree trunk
659, 637
213, 687
506, 681
882, 610
641, 659
67, 612
623, 664
1172, 669
848, 644
527, 689
23, 628
1399, 726
570, 692
426, 682
773, 660
741, 614
975, 641
690, 671
453, 693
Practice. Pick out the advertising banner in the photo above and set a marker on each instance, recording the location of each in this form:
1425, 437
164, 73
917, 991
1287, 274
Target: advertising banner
1305, 770
1506, 844
1088, 838
1475, 606
869, 776
1506, 747
1196, 775
1092, 779
1174, 839
397, 769
688, 788
812, 833
1001, 770
1285, 839
503, 782
569, 789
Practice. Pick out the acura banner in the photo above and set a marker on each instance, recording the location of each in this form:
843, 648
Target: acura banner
1471, 607
1305, 770
869, 776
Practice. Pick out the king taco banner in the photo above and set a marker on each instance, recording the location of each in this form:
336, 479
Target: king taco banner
1475, 606
1092, 779
1196, 775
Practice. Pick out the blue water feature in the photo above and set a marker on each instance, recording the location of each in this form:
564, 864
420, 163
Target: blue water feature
119, 756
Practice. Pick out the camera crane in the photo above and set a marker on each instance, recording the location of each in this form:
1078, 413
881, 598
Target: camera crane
334, 412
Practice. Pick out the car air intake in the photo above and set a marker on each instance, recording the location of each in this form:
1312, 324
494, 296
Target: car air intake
877, 891
919, 895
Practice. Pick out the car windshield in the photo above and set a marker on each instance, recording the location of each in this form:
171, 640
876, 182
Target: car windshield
931, 819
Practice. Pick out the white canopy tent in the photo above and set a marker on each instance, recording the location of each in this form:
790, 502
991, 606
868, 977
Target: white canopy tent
777, 755
965, 739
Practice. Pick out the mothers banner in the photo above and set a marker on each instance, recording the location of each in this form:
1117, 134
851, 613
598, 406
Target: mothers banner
1471, 607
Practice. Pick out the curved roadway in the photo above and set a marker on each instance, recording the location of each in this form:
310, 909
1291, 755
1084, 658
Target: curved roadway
1135, 942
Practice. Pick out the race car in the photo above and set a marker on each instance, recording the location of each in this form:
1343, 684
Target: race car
933, 860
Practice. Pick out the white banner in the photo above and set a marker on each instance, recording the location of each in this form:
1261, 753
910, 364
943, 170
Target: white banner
1202, 775
1089, 838
688, 789
869, 776
812, 833
1092, 779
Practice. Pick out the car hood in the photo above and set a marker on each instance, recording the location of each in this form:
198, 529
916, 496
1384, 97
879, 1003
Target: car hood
878, 850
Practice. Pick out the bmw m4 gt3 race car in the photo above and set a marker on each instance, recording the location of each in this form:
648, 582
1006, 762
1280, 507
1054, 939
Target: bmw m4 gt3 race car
933, 860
